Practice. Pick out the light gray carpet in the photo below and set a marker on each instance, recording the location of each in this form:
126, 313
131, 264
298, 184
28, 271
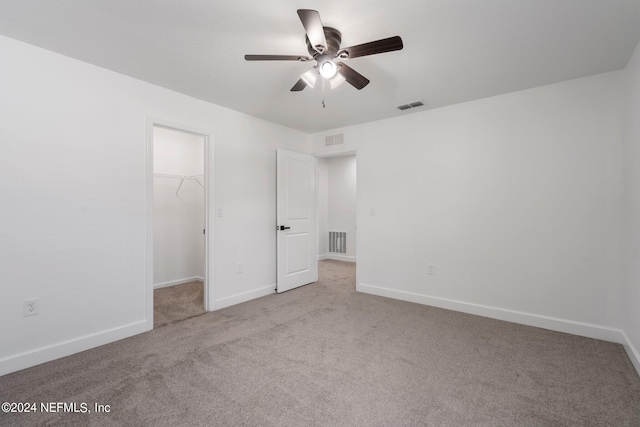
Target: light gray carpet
175, 303
324, 355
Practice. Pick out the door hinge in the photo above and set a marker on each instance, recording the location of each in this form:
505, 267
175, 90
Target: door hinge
204, 231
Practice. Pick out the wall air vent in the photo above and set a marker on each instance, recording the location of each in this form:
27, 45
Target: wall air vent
338, 242
334, 139
410, 105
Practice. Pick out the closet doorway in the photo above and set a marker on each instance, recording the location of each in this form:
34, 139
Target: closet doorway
179, 224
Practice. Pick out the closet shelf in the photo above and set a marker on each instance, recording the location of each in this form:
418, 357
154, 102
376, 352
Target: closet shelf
182, 178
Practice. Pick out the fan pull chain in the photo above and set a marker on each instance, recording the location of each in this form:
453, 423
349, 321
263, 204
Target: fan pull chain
323, 93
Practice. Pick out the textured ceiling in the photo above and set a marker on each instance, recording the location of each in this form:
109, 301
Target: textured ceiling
454, 50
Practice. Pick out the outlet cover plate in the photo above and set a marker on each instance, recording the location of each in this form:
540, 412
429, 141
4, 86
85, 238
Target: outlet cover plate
31, 307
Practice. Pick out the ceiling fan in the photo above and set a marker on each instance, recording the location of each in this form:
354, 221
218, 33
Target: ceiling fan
323, 44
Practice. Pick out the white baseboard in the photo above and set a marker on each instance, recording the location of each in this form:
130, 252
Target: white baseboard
243, 297
337, 257
178, 282
546, 322
67, 348
632, 352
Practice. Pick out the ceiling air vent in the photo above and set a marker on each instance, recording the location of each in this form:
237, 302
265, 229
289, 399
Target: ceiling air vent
410, 105
334, 139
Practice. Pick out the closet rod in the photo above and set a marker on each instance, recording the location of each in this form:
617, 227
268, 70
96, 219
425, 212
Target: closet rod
181, 178
168, 175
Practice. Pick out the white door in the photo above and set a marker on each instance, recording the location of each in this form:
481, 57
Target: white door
296, 215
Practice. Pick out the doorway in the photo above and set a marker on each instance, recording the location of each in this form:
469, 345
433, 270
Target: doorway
177, 223
337, 208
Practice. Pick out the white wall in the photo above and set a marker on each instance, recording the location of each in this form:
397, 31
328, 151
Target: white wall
73, 211
340, 203
178, 219
515, 199
631, 298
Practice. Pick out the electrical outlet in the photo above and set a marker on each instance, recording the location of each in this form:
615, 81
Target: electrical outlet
431, 269
30, 307
372, 212
239, 267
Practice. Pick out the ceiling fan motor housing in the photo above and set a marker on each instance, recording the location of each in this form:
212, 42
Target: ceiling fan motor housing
334, 38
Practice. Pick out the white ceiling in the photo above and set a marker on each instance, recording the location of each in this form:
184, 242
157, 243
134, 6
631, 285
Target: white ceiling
454, 50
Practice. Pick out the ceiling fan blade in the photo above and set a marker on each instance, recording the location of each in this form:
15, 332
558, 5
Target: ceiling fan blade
313, 26
352, 77
276, 58
379, 46
301, 84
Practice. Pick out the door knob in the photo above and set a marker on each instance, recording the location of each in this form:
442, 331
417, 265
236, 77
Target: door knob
282, 227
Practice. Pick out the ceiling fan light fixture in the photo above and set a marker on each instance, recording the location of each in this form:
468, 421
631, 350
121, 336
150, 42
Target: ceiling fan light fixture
337, 80
328, 69
310, 77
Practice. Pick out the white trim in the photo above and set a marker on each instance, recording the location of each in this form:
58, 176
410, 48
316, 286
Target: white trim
245, 296
339, 151
209, 279
67, 348
347, 258
210, 223
632, 352
546, 322
178, 282
149, 223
